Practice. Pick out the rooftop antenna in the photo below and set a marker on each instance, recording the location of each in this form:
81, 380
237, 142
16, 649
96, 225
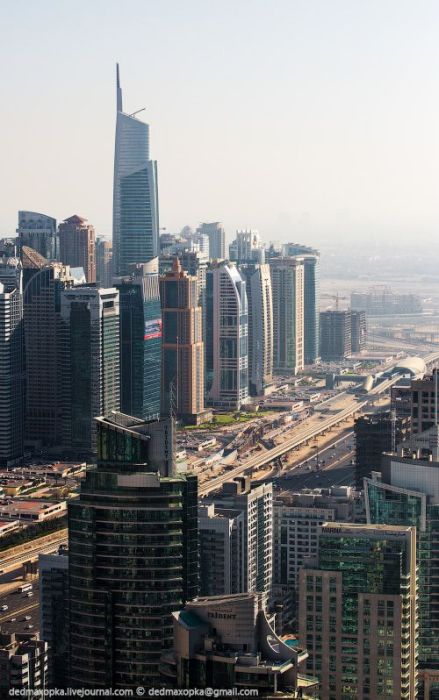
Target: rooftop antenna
118, 90
133, 114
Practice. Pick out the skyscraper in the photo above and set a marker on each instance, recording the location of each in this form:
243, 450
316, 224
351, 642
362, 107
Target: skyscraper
217, 239
260, 327
376, 433
311, 297
406, 492
247, 248
104, 263
183, 347
12, 377
54, 614
140, 340
247, 541
287, 280
226, 337
135, 196
90, 358
38, 231
358, 612
335, 335
133, 555
44, 369
77, 245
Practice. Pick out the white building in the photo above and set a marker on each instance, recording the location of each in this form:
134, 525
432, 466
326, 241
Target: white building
247, 247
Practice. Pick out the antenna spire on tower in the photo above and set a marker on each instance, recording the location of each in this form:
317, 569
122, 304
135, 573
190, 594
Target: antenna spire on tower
118, 90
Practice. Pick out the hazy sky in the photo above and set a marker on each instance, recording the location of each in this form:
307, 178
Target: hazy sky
307, 119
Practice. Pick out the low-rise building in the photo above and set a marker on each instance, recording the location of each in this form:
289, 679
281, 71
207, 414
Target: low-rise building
230, 642
32, 510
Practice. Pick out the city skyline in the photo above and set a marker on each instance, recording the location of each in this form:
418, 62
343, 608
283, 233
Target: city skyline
342, 94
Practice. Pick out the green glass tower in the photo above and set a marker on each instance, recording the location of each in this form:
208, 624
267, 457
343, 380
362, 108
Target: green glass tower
133, 555
358, 612
407, 493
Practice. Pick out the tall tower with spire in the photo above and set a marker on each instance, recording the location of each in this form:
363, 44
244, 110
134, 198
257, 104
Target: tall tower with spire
135, 197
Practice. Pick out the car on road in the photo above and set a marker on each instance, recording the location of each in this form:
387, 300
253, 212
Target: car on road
29, 627
29, 595
27, 617
4, 607
12, 619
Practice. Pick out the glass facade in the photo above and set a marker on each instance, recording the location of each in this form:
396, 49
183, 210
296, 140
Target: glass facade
140, 344
132, 560
391, 504
135, 197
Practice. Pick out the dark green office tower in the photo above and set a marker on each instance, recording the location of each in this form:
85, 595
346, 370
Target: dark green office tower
133, 554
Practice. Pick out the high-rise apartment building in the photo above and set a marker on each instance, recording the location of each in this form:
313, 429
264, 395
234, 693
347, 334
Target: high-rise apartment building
38, 231
358, 612
54, 614
23, 664
90, 362
218, 532
406, 492
182, 347
104, 263
311, 298
140, 340
226, 337
358, 331
133, 555
247, 248
335, 335
247, 542
217, 239
12, 367
424, 402
287, 280
376, 433
44, 367
77, 245
260, 327
135, 195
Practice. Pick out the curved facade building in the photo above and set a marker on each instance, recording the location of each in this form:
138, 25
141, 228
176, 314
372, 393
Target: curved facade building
227, 338
135, 198
132, 555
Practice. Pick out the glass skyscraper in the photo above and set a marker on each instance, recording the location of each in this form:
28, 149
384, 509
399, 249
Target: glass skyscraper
140, 341
135, 197
133, 555
38, 231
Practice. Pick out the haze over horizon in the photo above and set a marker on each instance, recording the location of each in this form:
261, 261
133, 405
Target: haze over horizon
305, 120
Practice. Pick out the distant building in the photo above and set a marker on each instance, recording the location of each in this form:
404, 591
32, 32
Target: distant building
376, 433
229, 642
135, 194
182, 347
140, 341
335, 335
104, 263
226, 338
401, 398
143, 564
54, 614
246, 543
38, 231
90, 357
77, 245
381, 301
358, 331
358, 612
287, 280
12, 366
260, 327
217, 239
44, 368
247, 248
311, 300
23, 663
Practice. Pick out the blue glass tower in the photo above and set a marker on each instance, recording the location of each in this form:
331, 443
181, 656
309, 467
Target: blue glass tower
135, 198
140, 341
